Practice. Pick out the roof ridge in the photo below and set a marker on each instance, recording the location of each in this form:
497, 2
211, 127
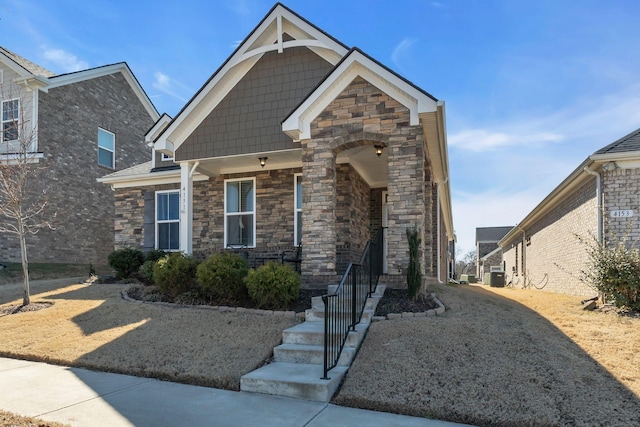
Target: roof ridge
28, 65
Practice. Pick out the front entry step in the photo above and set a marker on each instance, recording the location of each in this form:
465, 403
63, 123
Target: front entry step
299, 380
297, 369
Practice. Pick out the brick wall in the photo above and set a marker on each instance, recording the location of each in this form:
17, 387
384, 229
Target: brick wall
554, 256
621, 191
69, 117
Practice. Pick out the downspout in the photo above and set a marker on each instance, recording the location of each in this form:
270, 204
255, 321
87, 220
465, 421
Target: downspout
524, 257
598, 199
438, 253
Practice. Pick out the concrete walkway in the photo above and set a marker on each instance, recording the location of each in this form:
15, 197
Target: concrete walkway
80, 397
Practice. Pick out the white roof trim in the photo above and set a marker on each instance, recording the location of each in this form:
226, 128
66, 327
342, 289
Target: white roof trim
14, 66
122, 67
267, 37
148, 179
298, 124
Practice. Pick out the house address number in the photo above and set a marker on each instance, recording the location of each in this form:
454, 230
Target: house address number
624, 213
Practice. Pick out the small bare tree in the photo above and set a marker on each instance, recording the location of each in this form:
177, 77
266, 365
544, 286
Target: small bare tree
23, 196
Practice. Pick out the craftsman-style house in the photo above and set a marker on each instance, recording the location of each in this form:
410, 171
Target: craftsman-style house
296, 145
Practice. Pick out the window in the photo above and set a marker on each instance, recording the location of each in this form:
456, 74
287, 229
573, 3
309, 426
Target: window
10, 118
106, 148
168, 220
297, 238
166, 157
239, 213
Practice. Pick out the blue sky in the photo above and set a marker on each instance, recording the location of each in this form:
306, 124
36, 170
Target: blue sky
531, 87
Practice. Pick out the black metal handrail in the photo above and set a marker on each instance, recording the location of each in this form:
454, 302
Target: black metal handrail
343, 309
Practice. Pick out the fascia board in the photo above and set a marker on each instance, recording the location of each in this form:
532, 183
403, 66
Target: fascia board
298, 124
576, 178
14, 66
612, 157
154, 178
122, 67
157, 127
260, 41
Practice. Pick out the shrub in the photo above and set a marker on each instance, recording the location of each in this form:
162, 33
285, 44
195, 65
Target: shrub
154, 255
273, 286
414, 276
175, 274
614, 270
145, 273
221, 276
125, 262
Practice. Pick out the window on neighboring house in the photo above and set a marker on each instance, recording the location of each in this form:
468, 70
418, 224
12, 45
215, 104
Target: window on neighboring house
168, 220
10, 119
297, 238
106, 148
239, 212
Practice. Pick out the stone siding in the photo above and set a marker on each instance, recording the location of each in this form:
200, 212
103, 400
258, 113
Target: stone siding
553, 255
363, 115
69, 117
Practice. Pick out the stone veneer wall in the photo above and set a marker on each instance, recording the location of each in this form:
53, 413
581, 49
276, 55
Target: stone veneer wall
362, 115
554, 256
352, 216
68, 121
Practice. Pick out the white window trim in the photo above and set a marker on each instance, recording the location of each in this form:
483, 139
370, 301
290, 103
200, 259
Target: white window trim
113, 153
1, 77
2, 121
240, 213
296, 238
165, 157
158, 222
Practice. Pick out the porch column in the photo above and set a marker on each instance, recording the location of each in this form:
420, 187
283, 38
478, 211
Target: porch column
318, 213
186, 207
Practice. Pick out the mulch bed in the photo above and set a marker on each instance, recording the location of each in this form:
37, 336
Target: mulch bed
397, 301
14, 309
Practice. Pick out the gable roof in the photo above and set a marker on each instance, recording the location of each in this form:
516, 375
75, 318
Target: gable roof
625, 149
628, 143
267, 36
35, 76
25, 64
491, 234
356, 63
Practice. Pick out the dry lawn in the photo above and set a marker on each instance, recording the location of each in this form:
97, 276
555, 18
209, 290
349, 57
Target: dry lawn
505, 357
9, 419
90, 325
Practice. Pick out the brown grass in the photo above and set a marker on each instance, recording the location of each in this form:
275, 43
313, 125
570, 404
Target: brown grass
92, 326
502, 357
9, 419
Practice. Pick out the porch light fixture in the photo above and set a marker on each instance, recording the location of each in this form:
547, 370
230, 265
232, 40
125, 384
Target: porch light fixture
263, 161
378, 150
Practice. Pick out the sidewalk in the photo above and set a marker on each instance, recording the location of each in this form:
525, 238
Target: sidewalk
79, 397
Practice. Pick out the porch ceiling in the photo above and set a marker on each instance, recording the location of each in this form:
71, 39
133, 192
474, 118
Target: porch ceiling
363, 159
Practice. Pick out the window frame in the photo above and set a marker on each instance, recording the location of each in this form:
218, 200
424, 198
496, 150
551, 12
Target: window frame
165, 157
227, 214
3, 121
297, 240
165, 221
113, 152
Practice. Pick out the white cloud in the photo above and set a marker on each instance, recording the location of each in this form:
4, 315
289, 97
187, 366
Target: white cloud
487, 140
68, 62
401, 51
169, 86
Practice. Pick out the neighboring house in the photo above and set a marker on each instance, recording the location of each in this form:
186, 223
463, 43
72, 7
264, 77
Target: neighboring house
598, 199
297, 143
488, 253
86, 124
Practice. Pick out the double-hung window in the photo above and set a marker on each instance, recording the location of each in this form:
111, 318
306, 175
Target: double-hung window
106, 148
240, 212
297, 238
10, 120
168, 220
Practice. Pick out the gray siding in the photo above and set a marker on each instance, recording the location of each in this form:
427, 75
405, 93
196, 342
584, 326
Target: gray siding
249, 119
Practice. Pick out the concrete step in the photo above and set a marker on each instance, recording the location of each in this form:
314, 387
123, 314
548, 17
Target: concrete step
312, 333
309, 354
313, 315
301, 381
